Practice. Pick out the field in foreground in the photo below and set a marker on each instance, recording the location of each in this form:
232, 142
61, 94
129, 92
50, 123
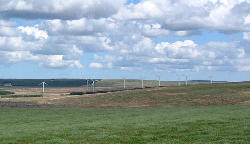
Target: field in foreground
197, 124
218, 113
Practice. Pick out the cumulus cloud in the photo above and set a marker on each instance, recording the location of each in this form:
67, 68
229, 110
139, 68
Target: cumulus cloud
57, 61
7, 23
58, 9
246, 36
186, 33
191, 15
26, 43
50, 61
81, 26
96, 65
126, 37
35, 32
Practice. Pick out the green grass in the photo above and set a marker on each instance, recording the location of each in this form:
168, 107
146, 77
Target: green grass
212, 114
202, 124
217, 94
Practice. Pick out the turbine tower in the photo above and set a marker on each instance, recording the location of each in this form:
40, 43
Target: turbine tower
93, 85
186, 80
178, 77
159, 78
142, 84
87, 84
43, 83
211, 80
124, 83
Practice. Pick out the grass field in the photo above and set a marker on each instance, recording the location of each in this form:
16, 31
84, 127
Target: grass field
217, 94
203, 124
218, 113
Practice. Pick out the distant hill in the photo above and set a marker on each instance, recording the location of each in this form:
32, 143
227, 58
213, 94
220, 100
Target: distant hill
50, 82
205, 81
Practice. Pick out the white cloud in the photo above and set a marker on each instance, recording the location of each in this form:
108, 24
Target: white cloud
224, 16
57, 61
125, 37
143, 10
29, 44
61, 9
7, 31
126, 68
7, 23
247, 19
7, 57
38, 34
81, 26
246, 36
186, 33
96, 65
153, 30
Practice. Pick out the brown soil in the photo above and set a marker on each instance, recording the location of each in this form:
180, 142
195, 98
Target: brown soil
245, 102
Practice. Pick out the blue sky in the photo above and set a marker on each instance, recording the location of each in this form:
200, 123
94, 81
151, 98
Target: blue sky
132, 39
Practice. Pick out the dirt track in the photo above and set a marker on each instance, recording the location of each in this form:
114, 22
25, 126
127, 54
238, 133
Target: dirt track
20, 104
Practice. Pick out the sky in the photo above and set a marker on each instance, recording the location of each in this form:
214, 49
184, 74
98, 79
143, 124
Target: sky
137, 39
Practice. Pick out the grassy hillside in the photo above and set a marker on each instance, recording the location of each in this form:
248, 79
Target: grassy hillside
218, 113
217, 94
178, 125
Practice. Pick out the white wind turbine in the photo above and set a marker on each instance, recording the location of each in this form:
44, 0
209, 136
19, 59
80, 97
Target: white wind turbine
178, 80
159, 81
142, 84
43, 84
87, 84
93, 85
186, 80
124, 83
211, 79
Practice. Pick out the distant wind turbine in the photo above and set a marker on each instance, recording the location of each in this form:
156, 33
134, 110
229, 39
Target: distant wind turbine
87, 84
124, 83
43, 83
211, 80
93, 85
159, 78
178, 77
186, 80
142, 84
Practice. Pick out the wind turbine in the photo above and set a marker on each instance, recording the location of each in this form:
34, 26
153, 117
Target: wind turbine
211, 80
186, 80
43, 83
124, 83
87, 84
178, 77
142, 84
83, 81
93, 85
159, 81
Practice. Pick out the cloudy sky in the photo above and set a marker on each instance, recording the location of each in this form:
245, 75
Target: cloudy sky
125, 38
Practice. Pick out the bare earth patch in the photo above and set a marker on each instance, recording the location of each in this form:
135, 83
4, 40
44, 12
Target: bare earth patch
245, 92
245, 102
